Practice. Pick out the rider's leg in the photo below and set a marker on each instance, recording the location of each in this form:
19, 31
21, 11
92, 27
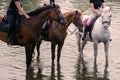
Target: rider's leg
90, 22
11, 21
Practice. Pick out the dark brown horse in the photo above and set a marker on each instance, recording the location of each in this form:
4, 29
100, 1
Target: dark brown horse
57, 33
29, 30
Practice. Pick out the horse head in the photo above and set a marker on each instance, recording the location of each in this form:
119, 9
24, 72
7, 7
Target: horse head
106, 17
77, 21
57, 15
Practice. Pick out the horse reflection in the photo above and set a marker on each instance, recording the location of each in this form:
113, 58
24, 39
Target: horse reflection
82, 72
31, 74
95, 73
57, 76
81, 69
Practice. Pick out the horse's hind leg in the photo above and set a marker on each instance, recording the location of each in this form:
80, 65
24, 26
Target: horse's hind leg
60, 45
106, 47
53, 45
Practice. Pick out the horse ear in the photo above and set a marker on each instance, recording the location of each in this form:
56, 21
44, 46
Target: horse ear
109, 9
101, 9
53, 5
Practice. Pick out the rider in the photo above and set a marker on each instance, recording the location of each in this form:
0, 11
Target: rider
14, 9
94, 5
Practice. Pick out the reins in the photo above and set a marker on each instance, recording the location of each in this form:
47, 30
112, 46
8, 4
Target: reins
71, 32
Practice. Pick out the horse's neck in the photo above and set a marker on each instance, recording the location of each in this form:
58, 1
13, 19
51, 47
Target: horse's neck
42, 18
39, 19
98, 26
68, 17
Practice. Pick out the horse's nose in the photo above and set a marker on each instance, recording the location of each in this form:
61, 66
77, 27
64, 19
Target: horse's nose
63, 21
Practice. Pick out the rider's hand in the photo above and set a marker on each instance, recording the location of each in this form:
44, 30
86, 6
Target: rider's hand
99, 14
27, 16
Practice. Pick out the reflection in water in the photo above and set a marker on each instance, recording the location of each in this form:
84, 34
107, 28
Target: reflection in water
58, 76
33, 74
81, 69
95, 73
82, 72
106, 73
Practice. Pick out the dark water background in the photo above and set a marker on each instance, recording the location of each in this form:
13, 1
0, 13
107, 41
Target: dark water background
71, 67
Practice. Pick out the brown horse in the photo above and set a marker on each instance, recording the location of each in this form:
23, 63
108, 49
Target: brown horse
29, 30
57, 33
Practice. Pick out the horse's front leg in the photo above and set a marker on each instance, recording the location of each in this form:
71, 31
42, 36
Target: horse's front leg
29, 51
82, 47
53, 45
78, 37
38, 47
60, 45
106, 47
95, 50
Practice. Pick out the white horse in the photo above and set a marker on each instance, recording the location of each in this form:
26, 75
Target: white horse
100, 33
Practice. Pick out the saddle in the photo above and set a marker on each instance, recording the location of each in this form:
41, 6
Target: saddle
45, 28
5, 27
85, 24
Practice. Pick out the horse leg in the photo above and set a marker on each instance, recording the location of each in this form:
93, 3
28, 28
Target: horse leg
78, 37
82, 47
38, 47
95, 51
53, 45
106, 47
33, 47
29, 51
60, 45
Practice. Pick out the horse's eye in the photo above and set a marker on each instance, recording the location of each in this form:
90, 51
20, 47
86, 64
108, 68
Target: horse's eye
59, 12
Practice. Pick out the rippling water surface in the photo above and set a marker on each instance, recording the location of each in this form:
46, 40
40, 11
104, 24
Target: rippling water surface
71, 67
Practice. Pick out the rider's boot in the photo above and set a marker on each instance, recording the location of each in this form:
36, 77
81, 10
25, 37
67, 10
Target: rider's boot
10, 39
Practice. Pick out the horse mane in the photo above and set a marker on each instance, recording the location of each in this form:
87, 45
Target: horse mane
73, 11
41, 9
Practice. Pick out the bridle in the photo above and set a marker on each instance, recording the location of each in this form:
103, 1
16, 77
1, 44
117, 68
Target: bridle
76, 21
106, 23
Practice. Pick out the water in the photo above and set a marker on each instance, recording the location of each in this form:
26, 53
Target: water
71, 67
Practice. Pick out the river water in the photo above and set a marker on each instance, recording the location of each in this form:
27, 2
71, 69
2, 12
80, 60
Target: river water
71, 67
